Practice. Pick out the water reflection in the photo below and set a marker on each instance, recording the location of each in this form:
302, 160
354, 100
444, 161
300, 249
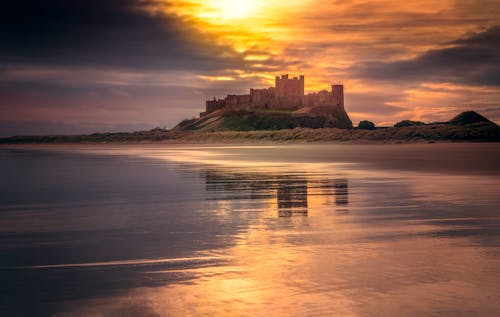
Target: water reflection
157, 238
292, 197
341, 192
290, 192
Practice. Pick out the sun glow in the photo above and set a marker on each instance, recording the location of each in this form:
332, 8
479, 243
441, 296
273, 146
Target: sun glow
230, 9
240, 24
258, 31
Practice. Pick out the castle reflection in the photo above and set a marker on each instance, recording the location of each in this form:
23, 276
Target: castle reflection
292, 197
288, 193
341, 192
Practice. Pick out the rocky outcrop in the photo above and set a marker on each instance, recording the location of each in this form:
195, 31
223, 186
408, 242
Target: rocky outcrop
407, 123
469, 117
366, 125
223, 120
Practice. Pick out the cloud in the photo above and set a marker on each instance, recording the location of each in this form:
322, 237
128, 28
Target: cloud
127, 34
374, 103
46, 108
474, 60
78, 65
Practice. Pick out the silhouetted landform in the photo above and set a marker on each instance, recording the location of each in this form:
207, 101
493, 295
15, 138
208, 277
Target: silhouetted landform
477, 128
407, 123
366, 125
469, 117
242, 120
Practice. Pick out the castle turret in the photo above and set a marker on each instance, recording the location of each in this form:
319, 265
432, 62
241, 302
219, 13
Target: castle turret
338, 96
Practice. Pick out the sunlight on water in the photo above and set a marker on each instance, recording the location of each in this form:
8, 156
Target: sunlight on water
246, 231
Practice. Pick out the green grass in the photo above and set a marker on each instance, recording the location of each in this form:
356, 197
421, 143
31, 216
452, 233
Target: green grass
246, 121
279, 111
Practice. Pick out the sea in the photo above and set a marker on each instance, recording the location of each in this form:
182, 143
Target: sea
244, 230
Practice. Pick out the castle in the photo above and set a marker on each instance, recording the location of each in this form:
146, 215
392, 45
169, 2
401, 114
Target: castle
288, 94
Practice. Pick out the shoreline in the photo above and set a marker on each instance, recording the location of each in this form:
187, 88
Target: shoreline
390, 156
431, 133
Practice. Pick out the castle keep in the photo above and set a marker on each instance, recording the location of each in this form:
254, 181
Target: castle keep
288, 94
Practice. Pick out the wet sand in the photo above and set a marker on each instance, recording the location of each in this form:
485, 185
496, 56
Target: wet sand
349, 230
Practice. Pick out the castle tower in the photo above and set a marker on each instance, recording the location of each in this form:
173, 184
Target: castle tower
338, 96
289, 87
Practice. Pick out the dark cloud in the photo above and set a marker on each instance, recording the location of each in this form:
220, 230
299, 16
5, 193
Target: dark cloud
105, 33
488, 38
471, 60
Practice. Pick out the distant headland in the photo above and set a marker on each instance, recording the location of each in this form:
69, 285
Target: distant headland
284, 113
466, 127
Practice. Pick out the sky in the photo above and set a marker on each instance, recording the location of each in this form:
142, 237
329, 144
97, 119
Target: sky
83, 66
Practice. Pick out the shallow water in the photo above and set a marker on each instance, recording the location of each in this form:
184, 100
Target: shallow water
289, 230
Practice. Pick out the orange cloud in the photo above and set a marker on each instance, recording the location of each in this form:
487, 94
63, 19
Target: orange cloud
327, 40
422, 60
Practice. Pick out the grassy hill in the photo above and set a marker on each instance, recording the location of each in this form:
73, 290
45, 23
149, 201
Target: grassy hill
224, 120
